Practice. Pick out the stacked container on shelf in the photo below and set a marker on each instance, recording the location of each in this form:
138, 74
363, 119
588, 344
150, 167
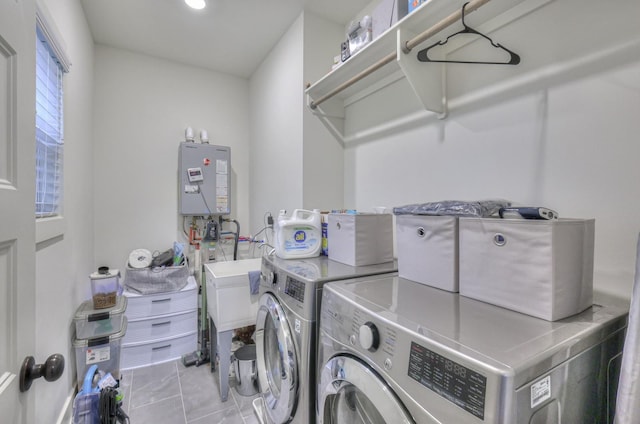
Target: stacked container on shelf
99, 330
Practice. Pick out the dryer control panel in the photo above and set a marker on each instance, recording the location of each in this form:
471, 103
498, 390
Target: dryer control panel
457, 383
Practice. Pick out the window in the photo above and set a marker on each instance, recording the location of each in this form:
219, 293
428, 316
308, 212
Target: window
49, 129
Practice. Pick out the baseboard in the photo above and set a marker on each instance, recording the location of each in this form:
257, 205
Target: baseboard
66, 413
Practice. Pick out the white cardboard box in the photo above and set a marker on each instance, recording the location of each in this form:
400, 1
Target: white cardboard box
427, 248
536, 267
360, 239
386, 14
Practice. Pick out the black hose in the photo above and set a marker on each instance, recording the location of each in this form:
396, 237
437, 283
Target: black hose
236, 238
235, 247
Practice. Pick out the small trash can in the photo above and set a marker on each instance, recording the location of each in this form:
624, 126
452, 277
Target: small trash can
245, 367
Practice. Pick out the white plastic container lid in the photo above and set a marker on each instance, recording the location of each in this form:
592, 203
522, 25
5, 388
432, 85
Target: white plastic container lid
86, 311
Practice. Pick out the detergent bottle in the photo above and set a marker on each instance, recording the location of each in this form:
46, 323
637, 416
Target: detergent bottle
299, 236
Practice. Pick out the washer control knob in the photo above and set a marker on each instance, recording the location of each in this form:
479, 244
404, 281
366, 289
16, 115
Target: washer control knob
369, 336
388, 364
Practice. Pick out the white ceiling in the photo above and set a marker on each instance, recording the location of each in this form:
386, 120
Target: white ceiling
231, 36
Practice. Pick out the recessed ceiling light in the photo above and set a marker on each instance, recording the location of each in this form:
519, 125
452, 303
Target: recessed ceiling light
196, 4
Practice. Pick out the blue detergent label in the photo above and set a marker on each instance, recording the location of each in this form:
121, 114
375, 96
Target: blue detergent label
301, 239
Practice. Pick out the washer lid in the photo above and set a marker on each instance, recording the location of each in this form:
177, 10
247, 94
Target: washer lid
322, 269
476, 329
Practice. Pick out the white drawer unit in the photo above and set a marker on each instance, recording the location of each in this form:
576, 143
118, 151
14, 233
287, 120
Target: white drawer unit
162, 326
145, 306
151, 329
137, 355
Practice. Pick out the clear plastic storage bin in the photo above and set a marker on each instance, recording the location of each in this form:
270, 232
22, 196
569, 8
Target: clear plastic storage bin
103, 351
91, 323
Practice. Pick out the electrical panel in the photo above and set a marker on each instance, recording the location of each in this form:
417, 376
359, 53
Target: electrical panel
205, 179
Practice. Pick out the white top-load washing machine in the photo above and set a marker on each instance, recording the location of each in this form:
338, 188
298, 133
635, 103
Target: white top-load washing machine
395, 351
286, 332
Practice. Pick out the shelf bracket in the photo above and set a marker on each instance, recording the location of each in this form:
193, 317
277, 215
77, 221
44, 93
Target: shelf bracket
334, 122
317, 111
428, 84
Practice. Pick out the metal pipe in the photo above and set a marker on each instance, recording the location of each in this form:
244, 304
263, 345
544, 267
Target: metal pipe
408, 46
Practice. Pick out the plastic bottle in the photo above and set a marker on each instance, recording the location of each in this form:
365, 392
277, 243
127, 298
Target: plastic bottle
299, 236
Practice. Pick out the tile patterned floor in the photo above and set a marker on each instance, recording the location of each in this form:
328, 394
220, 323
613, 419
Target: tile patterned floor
171, 393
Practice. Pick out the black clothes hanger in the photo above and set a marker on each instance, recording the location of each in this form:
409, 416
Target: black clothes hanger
423, 56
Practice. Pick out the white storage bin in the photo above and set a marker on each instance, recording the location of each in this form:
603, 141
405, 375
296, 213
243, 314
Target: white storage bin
91, 323
360, 239
151, 329
137, 355
427, 248
536, 267
144, 306
162, 326
102, 351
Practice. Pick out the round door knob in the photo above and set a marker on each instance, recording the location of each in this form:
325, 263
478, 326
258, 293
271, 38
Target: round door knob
51, 370
369, 336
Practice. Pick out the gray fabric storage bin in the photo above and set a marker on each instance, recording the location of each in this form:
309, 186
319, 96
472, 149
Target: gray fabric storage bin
156, 280
427, 249
360, 239
536, 267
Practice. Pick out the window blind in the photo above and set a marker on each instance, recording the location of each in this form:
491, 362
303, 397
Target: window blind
49, 129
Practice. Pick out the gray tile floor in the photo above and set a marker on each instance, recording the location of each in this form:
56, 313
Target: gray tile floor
170, 393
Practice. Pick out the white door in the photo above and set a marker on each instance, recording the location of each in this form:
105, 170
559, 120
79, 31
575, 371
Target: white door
17, 213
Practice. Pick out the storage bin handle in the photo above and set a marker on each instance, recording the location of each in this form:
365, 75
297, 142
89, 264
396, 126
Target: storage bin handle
161, 347
161, 300
98, 317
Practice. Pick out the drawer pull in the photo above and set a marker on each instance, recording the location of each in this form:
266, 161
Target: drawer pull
161, 300
161, 347
157, 324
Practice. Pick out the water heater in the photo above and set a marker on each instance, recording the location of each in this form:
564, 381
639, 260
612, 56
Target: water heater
205, 179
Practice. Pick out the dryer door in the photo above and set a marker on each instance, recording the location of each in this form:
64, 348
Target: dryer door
352, 393
276, 360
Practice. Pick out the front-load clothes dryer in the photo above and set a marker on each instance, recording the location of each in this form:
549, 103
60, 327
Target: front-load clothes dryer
394, 351
286, 333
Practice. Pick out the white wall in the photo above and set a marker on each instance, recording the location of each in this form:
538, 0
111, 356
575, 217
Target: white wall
276, 129
572, 148
63, 264
295, 162
142, 107
323, 156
